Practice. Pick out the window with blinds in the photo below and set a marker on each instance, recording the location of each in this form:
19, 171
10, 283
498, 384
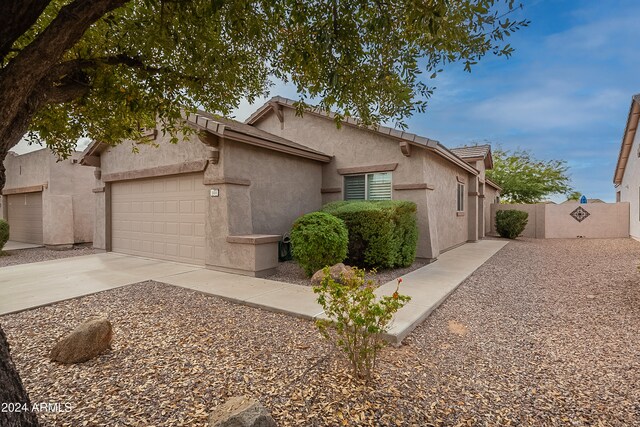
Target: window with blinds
371, 186
460, 198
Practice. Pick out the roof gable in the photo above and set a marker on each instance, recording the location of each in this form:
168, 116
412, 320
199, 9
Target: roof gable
406, 137
475, 152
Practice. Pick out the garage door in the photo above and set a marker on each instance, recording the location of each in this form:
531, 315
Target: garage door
159, 218
24, 212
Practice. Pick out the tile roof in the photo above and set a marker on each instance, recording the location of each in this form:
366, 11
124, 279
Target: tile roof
253, 131
473, 151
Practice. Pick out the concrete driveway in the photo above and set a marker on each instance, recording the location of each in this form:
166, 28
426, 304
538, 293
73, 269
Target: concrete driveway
31, 285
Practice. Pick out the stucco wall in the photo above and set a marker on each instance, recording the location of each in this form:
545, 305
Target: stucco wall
69, 178
490, 194
283, 187
122, 157
28, 169
452, 228
605, 220
67, 217
355, 147
630, 188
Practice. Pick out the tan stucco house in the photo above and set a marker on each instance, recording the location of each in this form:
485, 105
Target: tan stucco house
225, 197
46, 201
626, 177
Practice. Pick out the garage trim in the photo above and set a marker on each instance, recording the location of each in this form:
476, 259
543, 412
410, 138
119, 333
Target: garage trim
20, 190
174, 169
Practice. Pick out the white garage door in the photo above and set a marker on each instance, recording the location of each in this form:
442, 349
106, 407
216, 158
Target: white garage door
24, 213
160, 218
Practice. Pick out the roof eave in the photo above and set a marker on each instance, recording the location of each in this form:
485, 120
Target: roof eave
221, 130
627, 139
493, 184
447, 154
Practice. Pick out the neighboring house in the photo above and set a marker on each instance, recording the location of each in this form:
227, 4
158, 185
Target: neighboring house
588, 201
627, 173
479, 156
224, 197
47, 201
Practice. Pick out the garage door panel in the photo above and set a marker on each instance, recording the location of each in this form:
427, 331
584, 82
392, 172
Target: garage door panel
160, 218
24, 214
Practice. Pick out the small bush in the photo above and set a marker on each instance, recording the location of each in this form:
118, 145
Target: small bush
318, 240
4, 233
511, 223
382, 234
356, 317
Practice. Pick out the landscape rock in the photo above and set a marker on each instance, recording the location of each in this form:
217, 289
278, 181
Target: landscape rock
336, 271
87, 341
241, 411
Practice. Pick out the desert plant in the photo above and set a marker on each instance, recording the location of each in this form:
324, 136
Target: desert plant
356, 317
318, 240
511, 223
382, 234
4, 233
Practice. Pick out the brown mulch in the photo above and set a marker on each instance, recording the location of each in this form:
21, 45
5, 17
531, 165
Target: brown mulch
25, 256
543, 334
291, 272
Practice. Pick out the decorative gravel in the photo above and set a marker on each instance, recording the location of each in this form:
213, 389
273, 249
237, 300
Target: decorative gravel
544, 334
291, 272
25, 256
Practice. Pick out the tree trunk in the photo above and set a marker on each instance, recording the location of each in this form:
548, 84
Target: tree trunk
12, 392
30, 80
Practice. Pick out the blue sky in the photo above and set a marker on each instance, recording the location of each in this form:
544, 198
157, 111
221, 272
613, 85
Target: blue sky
564, 94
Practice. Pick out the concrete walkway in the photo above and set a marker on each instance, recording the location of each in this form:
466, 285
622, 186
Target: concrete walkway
31, 285
12, 246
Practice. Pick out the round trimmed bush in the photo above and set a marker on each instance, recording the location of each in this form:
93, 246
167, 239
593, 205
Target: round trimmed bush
4, 233
318, 240
511, 223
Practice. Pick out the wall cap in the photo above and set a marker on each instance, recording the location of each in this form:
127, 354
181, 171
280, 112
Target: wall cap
173, 169
254, 239
21, 190
366, 169
418, 186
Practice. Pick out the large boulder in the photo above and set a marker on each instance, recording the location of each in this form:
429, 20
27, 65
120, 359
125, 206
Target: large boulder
337, 272
87, 341
241, 411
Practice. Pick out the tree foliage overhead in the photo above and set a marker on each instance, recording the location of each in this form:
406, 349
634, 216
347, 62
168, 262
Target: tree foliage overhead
106, 68
525, 179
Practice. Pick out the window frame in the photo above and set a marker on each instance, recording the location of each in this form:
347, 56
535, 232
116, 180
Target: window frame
366, 184
460, 190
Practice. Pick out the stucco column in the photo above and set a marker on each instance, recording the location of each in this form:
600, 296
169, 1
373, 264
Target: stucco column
481, 211
430, 244
102, 222
472, 209
427, 246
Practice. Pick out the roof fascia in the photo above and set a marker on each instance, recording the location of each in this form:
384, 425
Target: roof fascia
627, 140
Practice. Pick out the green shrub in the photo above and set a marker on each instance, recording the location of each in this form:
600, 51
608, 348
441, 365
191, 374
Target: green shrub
382, 234
356, 318
4, 233
318, 240
511, 223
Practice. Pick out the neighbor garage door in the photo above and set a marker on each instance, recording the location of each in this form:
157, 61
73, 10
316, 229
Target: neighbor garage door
24, 212
159, 218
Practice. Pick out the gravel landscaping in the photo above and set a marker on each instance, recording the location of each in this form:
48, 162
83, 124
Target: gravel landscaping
25, 256
544, 333
291, 272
